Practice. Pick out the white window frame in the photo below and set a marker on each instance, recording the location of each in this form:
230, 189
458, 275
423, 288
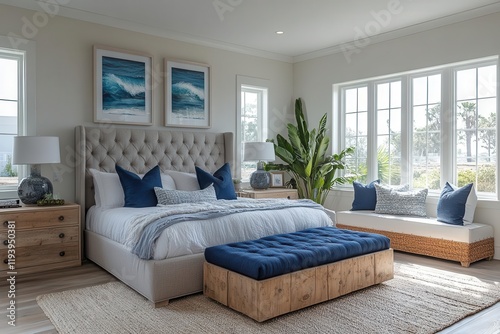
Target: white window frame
448, 130
262, 86
26, 124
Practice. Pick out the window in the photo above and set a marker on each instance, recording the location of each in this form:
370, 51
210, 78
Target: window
424, 128
426, 144
16, 81
252, 120
356, 129
388, 111
476, 122
10, 71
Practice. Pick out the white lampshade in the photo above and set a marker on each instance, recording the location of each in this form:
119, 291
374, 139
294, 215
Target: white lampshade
36, 150
259, 151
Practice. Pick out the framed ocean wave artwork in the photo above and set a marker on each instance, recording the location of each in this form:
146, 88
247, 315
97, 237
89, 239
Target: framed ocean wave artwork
123, 82
187, 94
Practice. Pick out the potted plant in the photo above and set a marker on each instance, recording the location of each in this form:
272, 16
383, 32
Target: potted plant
237, 184
306, 158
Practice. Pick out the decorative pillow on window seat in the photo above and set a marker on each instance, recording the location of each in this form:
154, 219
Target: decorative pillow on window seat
408, 203
139, 193
365, 196
221, 179
456, 206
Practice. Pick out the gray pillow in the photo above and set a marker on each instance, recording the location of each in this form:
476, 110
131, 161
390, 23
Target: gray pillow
169, 197
408, 203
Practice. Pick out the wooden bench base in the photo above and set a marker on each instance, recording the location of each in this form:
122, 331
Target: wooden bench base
266, 299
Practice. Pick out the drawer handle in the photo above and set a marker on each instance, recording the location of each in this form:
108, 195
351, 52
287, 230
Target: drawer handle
5, 242
61, 218
6, 261
61, 235
62, 253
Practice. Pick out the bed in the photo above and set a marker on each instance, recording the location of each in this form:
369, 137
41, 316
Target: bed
159, 279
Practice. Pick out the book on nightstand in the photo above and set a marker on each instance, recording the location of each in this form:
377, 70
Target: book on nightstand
9, 203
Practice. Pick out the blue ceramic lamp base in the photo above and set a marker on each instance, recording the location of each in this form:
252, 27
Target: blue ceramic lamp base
260, 179
34, 187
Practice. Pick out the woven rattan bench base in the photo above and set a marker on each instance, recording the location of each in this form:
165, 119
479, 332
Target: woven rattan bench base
463, 252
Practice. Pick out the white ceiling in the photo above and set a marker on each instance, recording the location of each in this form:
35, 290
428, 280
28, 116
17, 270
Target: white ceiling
311, 27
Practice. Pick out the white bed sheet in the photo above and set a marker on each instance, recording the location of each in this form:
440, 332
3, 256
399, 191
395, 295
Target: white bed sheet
193, 237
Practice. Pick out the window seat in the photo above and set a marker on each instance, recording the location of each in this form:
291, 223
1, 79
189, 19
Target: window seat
425, 236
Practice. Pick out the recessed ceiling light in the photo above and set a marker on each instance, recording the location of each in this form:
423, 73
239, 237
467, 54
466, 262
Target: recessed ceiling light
280, 32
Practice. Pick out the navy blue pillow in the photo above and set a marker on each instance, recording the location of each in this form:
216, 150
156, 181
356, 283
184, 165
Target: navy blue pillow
139, 193
365, 196
451, 204
222, 181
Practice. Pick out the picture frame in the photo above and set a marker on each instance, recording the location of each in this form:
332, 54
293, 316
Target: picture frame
187, 94
277, 179
123, 86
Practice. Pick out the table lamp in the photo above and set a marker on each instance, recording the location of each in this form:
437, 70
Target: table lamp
34, 151
260, 152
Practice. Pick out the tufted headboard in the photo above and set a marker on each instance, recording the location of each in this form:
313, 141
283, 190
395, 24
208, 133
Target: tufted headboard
139, 150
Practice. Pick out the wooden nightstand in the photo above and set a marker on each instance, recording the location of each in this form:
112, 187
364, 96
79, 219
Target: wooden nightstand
46, 238
269, 193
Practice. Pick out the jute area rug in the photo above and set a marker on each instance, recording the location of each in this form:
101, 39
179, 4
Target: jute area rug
418, 300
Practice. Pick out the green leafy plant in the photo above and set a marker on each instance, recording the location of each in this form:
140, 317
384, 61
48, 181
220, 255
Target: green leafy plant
306, 158
237, 184
48, 199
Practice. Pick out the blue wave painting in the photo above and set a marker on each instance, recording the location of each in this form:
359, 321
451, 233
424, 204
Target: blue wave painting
123, 86
188, 94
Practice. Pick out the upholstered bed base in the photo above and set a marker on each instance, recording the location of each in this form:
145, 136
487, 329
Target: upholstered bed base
158, 281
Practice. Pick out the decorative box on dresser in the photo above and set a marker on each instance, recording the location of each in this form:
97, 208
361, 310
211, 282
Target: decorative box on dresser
46, 238
269, 193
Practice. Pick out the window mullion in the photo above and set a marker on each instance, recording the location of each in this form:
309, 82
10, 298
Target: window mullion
448, 138
406, 131
372, 162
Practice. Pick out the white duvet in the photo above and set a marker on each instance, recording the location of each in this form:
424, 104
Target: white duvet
193, 237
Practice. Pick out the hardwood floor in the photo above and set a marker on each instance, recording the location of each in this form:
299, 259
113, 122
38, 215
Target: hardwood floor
31, 319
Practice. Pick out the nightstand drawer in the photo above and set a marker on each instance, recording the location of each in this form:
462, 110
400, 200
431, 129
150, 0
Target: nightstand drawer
56, 216
270, 193
290, 194
41, 237
42, 255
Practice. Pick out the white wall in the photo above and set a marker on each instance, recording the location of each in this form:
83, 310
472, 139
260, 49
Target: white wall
313, 80
64, 78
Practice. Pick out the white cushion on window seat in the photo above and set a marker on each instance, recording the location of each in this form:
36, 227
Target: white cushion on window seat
425, 227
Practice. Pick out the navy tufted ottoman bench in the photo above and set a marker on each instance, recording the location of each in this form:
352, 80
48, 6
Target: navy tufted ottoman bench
274, 275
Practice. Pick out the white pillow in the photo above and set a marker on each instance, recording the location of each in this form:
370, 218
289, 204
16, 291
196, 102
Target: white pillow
108, 191
184, 181
470, 205
167, 182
